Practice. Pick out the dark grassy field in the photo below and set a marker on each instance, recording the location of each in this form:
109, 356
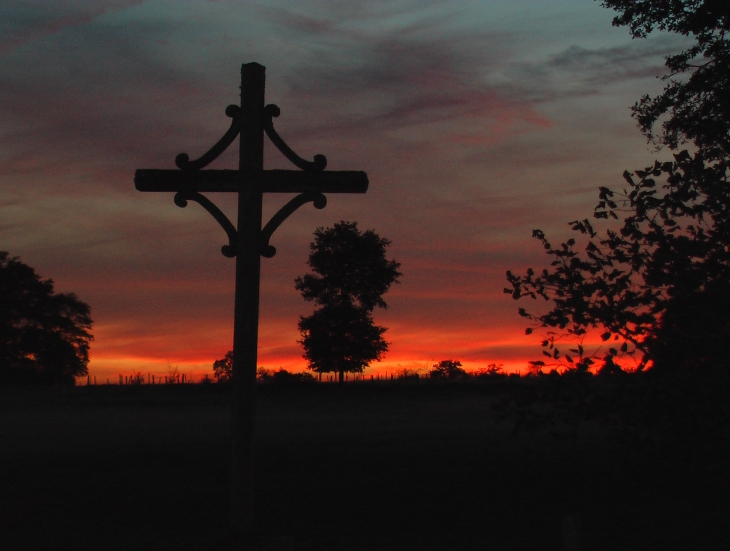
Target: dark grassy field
364, 467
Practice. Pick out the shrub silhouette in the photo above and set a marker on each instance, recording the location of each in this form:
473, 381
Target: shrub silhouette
447, 369
284, 377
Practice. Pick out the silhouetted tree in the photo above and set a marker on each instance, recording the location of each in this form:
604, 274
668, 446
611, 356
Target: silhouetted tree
672, 245
447, 369
351, 274
44, 336
223, 368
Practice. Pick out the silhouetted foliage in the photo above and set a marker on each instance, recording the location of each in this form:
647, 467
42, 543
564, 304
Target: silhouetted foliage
351, 274
667, 416
408, 373
223, 373
447, 369
341, 337
698, 107
348, 265
491, 371
223, 368
695, 331
44, 336
283, 377
672, 244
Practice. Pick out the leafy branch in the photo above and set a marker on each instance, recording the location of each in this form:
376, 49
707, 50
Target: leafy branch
675, 241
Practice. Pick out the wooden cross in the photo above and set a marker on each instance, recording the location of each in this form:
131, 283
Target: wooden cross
248, 243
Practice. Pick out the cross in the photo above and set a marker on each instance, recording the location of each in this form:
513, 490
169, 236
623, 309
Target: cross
247, 244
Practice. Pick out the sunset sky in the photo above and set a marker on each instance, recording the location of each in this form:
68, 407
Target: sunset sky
476, 122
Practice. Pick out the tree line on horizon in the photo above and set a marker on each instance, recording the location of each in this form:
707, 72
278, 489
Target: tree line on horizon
222, 374
443, 370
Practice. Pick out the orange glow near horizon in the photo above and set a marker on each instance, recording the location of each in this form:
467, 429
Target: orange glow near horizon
410, 348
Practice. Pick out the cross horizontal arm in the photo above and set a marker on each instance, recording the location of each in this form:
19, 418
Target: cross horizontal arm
271, 181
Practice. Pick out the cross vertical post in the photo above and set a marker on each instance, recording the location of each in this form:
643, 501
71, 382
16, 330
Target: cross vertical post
248, 242
246, 312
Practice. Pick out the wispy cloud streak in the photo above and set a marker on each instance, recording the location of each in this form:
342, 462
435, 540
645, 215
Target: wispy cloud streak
36, 19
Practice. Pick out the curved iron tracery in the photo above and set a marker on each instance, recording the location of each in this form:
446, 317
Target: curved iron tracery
181, 200
183, 161
320, 161
319, 201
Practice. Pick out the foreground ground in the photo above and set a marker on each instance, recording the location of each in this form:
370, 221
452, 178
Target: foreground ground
365, 467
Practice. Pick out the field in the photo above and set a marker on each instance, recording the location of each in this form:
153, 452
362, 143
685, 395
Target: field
364, 467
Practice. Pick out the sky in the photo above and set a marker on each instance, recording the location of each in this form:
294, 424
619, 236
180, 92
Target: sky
476, 122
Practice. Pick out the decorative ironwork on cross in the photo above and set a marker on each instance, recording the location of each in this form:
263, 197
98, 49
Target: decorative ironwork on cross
247, 243
190, 181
